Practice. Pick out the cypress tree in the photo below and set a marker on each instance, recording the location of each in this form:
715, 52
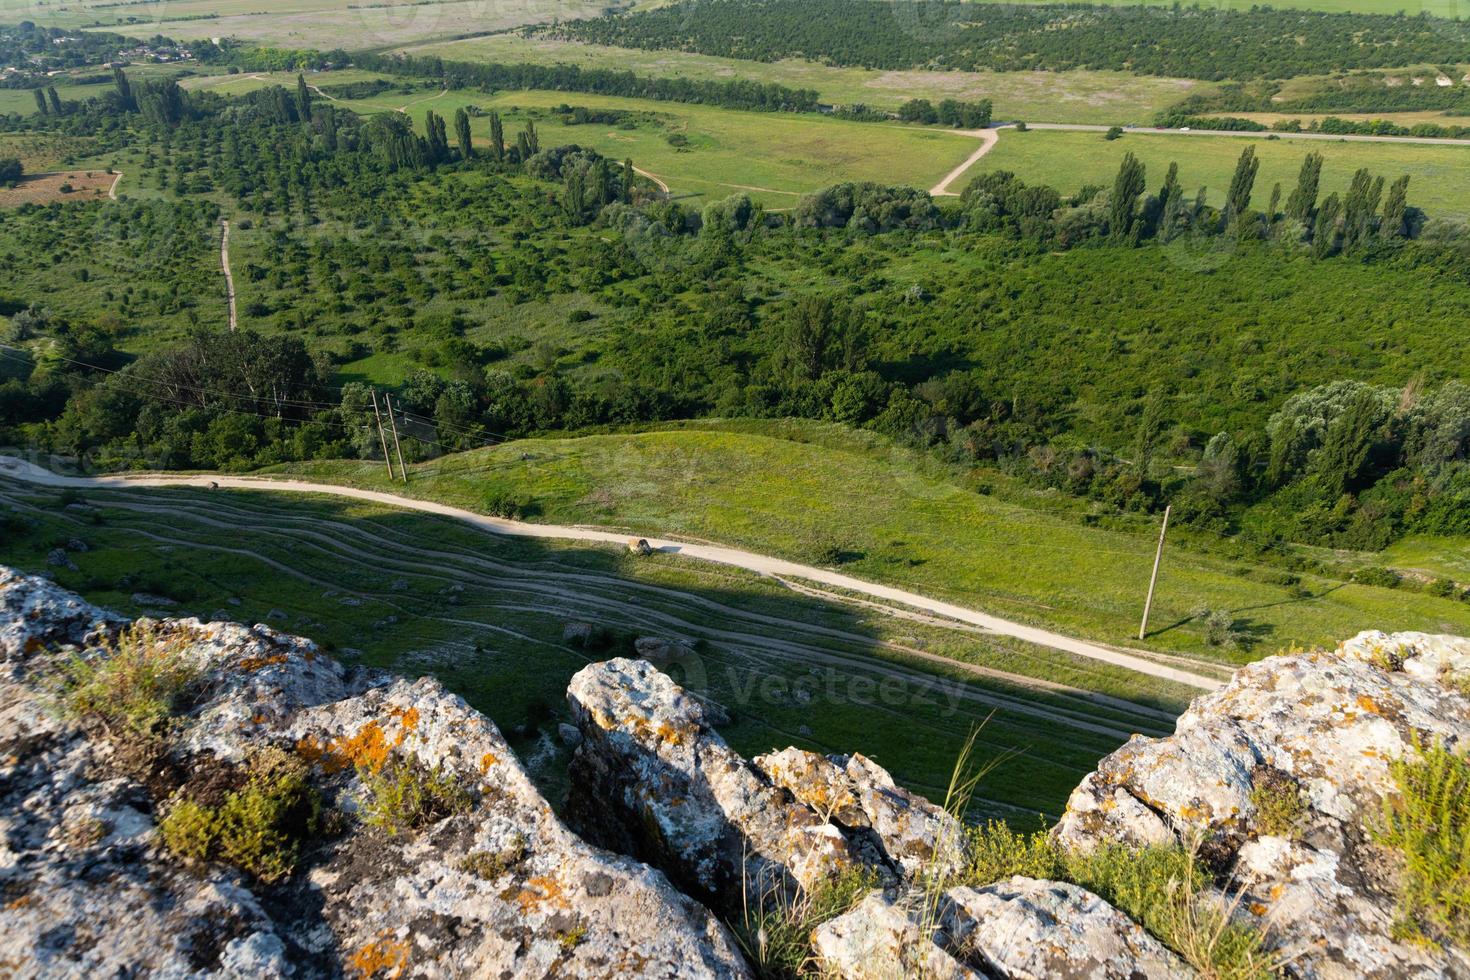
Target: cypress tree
55, 99
628, 180
41, 106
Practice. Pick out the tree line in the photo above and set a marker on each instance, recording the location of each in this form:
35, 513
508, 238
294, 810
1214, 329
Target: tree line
1052, 337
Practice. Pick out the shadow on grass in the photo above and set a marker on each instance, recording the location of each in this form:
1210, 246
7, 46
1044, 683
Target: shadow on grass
495, 619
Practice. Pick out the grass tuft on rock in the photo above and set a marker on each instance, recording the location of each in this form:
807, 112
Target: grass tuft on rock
1427, 822
776, 929
1162, 888
133, 687
405, 795
258, 827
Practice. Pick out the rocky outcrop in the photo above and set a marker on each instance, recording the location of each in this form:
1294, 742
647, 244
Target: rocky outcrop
1277, 780
652, 778
501, 888
1324, 727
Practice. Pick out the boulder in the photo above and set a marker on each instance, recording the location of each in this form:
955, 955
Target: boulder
882, 938
502, 888
1327, 723
1034, 930
910, 834
652, 778
1021, 929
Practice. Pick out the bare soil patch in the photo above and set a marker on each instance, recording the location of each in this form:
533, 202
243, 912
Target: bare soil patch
64, 185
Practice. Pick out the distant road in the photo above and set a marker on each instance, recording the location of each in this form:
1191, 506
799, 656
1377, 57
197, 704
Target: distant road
224, 261
761, 564
1259, 134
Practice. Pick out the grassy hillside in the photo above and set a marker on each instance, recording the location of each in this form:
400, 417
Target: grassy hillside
808, 490
1439, 175
421, 594
1075, 96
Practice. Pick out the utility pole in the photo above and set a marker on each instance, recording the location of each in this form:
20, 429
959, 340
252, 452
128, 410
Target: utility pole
1154, 578
383, 439
393, 421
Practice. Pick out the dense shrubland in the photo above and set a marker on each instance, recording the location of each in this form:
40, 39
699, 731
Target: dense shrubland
1190, 42
1254, 365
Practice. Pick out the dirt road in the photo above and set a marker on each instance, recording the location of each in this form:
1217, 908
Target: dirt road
987, 138
761, 564
224, 261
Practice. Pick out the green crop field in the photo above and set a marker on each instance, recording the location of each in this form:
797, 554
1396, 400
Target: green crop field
1074, 96
801, 489
1439, 175
428, 595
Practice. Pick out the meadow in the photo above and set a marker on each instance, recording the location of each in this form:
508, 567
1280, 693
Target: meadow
1439, 175
1075, 96
425, 595
803, 490
775, 157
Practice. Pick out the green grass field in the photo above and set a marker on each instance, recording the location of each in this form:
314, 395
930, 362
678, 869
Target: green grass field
1074, 96
797, 489
1439, 175
422, 594
776, 157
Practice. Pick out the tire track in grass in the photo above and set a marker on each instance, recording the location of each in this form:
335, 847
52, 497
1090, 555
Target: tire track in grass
1138, 716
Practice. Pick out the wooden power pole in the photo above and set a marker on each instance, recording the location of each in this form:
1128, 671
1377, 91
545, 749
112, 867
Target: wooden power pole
397, 448
1154, 578
383, 439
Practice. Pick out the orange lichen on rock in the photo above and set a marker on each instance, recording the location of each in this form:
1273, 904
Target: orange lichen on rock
542, 888
407, 717
369, 749
384, 957
257, 663
486, 761
1369, 705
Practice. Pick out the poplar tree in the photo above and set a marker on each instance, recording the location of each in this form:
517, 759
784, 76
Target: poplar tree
41, 102
1126, 187
1324, 231
1303, 200
1392, 225
628, 174
1238, 198
497, 137
55, 99
303, 99
462, 132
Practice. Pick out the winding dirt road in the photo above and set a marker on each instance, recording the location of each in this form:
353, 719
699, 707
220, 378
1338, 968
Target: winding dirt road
760, 564
224, 261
